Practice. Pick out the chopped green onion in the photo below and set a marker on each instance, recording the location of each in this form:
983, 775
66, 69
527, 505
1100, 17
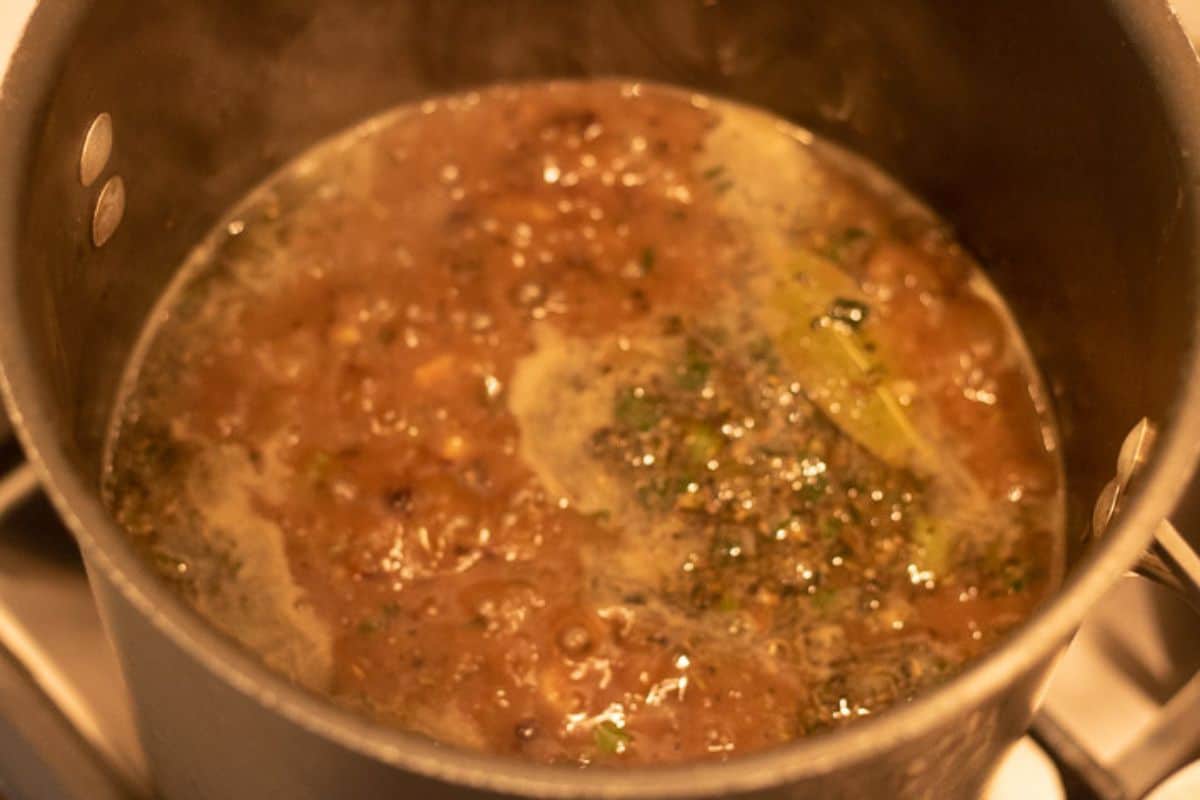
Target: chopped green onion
610, 738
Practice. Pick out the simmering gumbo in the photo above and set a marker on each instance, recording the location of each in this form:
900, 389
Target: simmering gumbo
591, 422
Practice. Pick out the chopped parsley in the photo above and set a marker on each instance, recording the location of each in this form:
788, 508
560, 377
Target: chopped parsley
610, 738
637, 411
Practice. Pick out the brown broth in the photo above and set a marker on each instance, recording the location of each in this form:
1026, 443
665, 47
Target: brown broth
591, 422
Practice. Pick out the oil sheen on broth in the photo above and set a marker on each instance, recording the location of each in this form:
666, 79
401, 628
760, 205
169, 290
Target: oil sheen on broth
591, 422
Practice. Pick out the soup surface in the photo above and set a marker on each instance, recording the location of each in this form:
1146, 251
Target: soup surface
591, 422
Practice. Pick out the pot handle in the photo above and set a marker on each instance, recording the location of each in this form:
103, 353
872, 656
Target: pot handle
1170, 739
1171, 561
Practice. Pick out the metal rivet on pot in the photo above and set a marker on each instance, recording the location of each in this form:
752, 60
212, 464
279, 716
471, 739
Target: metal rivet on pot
110, 207
1135, 451
1106, 506
97, 147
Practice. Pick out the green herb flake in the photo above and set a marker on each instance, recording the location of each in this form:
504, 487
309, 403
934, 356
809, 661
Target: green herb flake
611, 738
831, 528
631, 410
822, 599
702, 443
319, 466
1016, 578
814, 489
840, 244
712, 173
762, 351
693, 373
647, 260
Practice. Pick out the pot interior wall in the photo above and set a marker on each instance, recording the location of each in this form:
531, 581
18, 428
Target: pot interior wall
1033, 127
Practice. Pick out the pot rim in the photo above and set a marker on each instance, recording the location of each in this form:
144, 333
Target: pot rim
1154, 34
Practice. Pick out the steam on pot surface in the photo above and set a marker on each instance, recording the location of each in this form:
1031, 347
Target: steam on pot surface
592, 422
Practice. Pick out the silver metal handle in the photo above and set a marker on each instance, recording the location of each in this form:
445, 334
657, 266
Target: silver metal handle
1170, 739
1170, 559
1172, 562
